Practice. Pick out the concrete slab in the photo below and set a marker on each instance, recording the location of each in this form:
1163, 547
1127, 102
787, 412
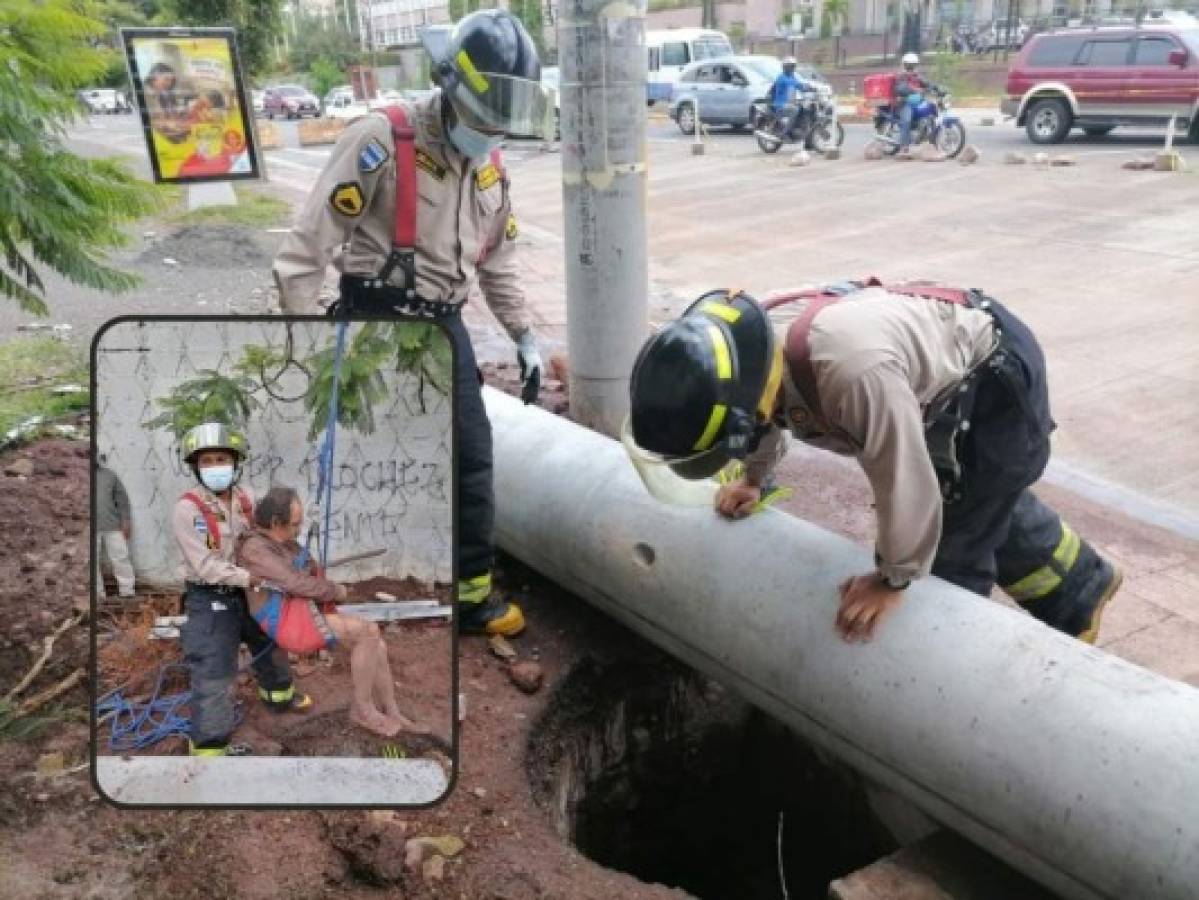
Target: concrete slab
269, 781
1171, 648
940, 867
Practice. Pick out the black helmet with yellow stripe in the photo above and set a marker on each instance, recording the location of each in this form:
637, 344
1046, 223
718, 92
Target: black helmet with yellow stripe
489, 70
704, 383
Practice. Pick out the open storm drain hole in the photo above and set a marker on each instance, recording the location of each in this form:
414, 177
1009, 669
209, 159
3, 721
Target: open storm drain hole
651, 769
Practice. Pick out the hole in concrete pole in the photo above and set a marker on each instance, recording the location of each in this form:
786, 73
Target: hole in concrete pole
644, 555
654, 770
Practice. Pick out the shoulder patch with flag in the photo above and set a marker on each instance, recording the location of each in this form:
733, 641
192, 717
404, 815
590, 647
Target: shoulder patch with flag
347, 199
372, 156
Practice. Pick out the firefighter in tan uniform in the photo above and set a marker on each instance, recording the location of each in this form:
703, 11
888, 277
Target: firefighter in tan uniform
465, 232
206, 523
939, 394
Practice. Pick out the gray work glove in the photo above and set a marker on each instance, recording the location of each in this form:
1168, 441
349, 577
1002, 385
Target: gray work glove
530, 367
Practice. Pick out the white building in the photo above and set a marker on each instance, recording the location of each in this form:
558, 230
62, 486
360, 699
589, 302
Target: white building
392, 23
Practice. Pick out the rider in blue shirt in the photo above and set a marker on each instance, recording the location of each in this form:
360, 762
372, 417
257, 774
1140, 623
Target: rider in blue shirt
781, 94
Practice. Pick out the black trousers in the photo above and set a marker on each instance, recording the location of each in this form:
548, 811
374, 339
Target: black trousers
218, 622
476, 498
999, 531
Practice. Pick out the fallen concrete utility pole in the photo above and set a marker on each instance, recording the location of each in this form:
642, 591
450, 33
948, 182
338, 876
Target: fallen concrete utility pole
1078, 768
603, 71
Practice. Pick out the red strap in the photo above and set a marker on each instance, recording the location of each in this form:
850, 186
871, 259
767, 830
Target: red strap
214, 530
247, 508
405, 151
497, 160
210, 522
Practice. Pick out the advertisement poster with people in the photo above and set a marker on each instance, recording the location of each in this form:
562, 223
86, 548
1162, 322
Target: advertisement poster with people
190, 94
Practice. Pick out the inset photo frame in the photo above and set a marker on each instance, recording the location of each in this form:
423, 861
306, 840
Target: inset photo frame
279, 627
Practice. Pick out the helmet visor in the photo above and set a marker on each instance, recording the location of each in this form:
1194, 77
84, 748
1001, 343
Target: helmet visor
682, 481
501, 104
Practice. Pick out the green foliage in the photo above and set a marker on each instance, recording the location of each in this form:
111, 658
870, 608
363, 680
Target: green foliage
326, 76
209, 397
425, 351
530, 14
318, 40
836, 13
460, 8
17, 727
30, 368
56, 208
257, 22
360, 381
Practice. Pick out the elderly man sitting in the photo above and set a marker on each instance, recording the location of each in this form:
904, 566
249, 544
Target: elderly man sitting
286, 608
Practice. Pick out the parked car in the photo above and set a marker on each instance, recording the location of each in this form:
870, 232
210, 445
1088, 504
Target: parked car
998, 36
1098, 79
290, 101
104, 101
726, 89
339, 103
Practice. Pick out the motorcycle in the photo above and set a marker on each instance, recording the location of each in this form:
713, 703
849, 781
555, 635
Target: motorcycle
813, 122
932, 121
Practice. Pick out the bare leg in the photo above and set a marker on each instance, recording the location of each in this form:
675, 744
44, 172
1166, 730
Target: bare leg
361, 637
385, 693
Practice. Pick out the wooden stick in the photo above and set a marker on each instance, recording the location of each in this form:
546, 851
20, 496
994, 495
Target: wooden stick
39, 700
48, 644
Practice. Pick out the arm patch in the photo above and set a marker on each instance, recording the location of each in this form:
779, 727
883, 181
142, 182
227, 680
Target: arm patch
346, 199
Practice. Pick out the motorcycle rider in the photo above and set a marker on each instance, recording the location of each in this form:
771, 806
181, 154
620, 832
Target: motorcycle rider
910, 86
786, 85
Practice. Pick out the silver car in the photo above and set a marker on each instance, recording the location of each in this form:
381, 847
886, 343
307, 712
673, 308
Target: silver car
724, 90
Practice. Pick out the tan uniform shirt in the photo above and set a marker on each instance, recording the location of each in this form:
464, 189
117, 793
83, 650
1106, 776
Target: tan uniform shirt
202, 562
880, 360
266, 558
464, 222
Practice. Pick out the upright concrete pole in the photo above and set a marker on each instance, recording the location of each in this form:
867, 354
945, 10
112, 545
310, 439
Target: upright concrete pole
601, 51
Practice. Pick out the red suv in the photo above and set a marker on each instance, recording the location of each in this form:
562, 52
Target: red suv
1098, 78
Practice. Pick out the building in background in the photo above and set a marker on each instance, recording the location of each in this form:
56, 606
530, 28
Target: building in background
385, 24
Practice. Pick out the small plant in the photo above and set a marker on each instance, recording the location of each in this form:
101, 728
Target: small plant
210, 397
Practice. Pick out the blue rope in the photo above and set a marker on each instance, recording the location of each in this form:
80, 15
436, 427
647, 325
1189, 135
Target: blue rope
325, 463
136, 726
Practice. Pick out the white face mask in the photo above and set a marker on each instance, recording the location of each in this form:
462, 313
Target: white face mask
217, 478
473, 144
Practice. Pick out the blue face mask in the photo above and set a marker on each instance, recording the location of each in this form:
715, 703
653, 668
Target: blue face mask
217, 478
473, 144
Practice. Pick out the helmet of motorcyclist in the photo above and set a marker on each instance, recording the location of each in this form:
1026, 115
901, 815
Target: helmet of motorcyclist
910, 61
489, 73
789, 64
703, 387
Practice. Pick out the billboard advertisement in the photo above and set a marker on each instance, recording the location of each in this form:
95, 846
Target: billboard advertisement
195, 116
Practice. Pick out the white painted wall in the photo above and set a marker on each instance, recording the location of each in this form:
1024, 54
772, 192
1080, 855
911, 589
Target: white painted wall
392, 489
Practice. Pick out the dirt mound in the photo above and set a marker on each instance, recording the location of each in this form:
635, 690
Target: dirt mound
210, 247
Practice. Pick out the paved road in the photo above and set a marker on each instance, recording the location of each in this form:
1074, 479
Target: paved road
1101, 261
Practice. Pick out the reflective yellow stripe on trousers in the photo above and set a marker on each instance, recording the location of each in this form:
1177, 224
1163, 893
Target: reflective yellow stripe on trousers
1047, 578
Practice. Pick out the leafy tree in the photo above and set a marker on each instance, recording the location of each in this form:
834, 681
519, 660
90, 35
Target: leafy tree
835, 12
460, 8
325, 77
56, 208
210, 397
257, 22
530, 14
317, 40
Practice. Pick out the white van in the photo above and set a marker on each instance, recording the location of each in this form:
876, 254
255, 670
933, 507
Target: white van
674, 48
